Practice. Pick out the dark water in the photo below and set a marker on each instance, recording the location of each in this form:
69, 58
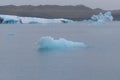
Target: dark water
21, 60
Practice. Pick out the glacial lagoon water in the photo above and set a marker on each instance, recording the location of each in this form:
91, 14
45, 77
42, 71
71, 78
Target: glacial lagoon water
20, 58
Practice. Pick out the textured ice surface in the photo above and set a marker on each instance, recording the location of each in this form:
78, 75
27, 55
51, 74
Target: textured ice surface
10, 19
32, 20
7, 19
49, 43
101, 18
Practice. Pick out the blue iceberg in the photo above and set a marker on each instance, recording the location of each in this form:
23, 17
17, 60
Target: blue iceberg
7, 19
49, 43
101, 18
11, 19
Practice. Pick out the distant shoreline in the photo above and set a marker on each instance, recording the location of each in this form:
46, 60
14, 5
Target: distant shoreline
77, 13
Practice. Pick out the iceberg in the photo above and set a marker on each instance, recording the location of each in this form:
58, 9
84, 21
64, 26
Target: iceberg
11, 19
32, 20
49, 43
101, 18
7, 19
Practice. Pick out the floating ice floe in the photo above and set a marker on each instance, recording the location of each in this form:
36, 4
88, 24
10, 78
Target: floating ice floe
49, 43
32, 20
101, 18
10, 19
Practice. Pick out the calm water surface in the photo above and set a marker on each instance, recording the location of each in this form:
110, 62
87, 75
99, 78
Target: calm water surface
21, 60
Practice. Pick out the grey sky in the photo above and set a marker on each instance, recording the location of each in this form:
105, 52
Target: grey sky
104, 4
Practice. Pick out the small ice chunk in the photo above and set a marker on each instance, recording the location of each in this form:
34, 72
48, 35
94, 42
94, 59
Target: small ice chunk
49, 43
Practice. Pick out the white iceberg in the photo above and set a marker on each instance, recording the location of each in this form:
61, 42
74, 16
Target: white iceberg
49, 43
101, 18
32, 20
11, 19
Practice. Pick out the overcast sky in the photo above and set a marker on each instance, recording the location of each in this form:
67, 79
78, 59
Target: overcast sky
104, 4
